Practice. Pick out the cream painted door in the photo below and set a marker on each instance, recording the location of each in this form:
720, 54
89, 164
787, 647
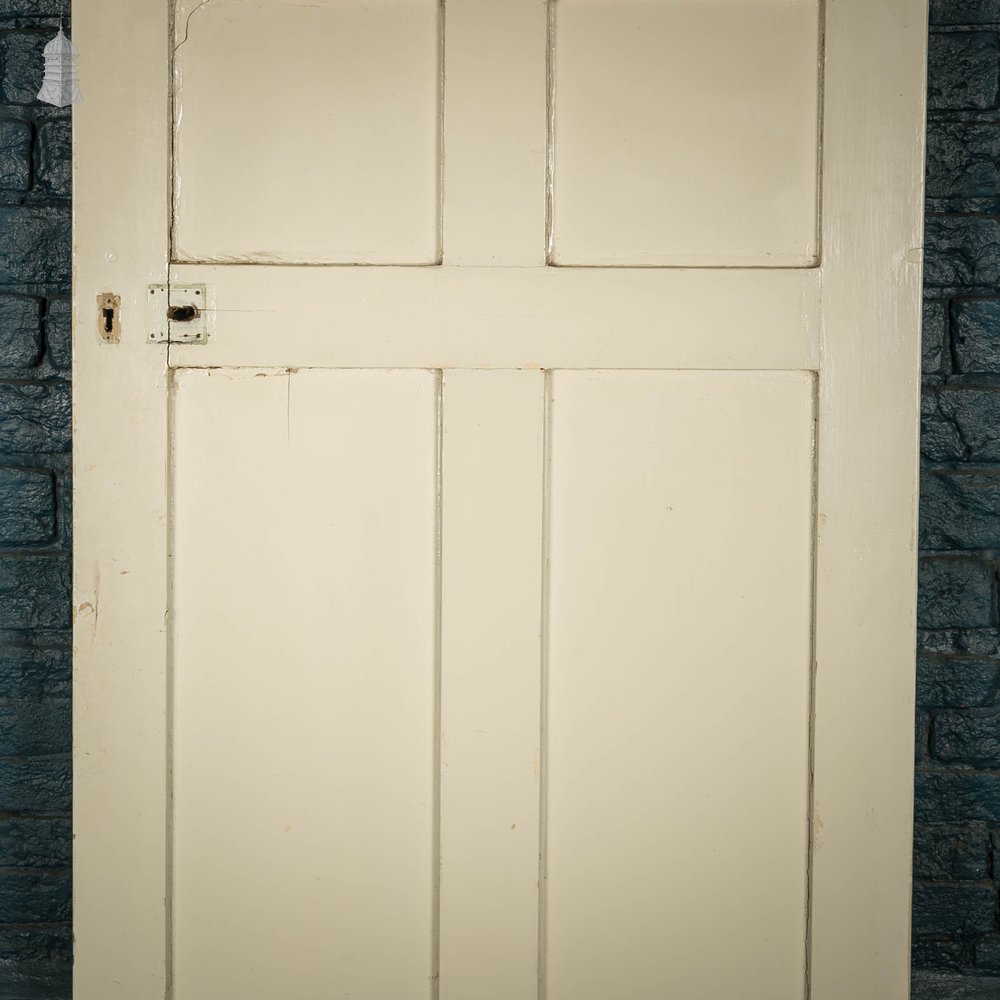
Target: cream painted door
510, 597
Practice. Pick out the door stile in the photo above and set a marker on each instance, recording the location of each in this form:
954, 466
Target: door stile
543, 736
493, 178
173, 375
436, 852
120, 505
491, 662
866, 556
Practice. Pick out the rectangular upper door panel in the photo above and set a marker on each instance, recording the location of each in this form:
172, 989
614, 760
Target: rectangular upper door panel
307, 133
685, 132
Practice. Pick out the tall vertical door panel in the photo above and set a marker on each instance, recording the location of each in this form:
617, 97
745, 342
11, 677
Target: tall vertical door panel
678, 685
304, 684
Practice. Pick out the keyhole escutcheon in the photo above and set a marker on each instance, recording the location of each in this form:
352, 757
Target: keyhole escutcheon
109, 308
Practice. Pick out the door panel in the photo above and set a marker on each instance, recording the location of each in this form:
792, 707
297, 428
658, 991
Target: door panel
685, 132
680, 592
304, 684
307, 132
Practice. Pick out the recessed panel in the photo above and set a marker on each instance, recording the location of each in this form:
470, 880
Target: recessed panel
677, 721
307, 132
685, 132
304, 685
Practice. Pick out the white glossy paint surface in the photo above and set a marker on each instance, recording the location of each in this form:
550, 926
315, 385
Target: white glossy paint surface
361, 547
685, 132
677, 719
304, 682
307, 132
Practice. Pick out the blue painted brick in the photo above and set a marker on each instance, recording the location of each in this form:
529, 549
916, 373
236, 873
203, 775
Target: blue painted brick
58, 332
35, 683
955, 593
29, 897
35, 592
21, 65
20, 331
36, 843
962, 251
967, 736
953, 909
922, 738
34, 417
963, 160
27, 506
941, 954
15, 155
64, 506
22, 943
55, 173
951, 852
956, 683
35, 8
959, 510
964, 71
987, 954
38, 785
42, 981
975, 325
973, 416
35, 727
937, 985
27, 672
940, 437
933, 339
960, 641
34, 245
953, 796
965, 12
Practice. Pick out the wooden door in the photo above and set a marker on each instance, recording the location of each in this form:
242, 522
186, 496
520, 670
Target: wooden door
495, 579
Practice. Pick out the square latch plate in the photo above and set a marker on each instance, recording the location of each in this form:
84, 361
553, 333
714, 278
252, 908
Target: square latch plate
178, 314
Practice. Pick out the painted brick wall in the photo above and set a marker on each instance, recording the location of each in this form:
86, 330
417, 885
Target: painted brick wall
35, 771
957, 835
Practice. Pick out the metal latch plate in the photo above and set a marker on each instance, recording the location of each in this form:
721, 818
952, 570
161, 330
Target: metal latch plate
180, 300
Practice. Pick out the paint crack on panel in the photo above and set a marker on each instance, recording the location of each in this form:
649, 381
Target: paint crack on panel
187, 23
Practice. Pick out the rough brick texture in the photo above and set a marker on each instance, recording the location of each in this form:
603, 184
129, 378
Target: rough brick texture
956, 863
950, 683
953, 591
951, 853
953, 909
20, 331
966, 71
965, 12
15, 155
54, 163
35, 677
